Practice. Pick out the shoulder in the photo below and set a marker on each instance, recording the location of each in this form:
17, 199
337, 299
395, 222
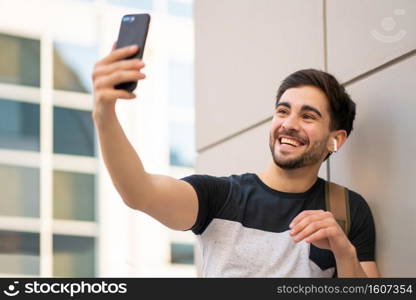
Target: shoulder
362, 221
231, 179
214, 192
215, 185
205, 181
358, 204
359, 211
356, 201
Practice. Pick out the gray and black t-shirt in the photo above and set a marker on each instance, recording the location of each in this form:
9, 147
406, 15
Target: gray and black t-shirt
243, 228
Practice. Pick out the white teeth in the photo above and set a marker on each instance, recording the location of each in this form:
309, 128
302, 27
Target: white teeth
289, 141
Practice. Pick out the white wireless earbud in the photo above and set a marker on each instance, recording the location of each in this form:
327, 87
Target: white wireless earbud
335, 145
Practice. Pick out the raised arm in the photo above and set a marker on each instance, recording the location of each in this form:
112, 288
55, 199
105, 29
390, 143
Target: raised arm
172, 202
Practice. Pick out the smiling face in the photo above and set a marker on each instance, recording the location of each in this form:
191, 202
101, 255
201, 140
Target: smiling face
300, 133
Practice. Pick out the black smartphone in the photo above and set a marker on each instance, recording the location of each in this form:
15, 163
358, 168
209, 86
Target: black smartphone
133, 31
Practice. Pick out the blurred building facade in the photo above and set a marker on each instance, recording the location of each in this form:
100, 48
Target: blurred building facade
59, 212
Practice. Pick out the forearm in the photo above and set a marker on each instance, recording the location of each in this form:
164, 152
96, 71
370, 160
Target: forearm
122, 161
348, 264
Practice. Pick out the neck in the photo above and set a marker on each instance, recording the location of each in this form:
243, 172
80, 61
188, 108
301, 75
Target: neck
289, 181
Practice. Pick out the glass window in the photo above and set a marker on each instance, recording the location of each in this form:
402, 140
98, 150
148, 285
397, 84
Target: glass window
73, 132
142, 4
19, 253
73, 256
181, 134
73, 65
19, 192
19, 125
73, 196
182, 144
19, 60
180, 8
182, 253
181, 85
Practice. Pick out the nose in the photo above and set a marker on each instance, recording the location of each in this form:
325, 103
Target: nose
291, 123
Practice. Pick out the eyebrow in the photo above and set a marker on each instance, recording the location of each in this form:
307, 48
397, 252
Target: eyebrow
304, 107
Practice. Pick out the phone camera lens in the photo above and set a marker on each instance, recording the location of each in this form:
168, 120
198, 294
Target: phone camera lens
128, 19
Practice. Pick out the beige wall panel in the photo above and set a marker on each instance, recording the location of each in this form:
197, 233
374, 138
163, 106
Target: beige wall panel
248, 152
379, 162
244, 48
364, 34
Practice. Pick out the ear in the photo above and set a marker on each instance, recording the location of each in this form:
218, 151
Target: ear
336, 140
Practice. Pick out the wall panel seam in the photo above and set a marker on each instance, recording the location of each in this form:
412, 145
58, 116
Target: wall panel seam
381, 67
347, 83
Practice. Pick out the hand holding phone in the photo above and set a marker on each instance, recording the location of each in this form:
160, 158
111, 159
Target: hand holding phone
133, 31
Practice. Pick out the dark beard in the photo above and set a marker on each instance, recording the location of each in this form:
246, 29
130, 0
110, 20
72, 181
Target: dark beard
311, 157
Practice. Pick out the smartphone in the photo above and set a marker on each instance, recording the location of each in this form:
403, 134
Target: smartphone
133, 31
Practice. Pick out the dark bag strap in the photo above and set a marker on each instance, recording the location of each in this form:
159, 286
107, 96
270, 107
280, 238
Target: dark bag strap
336, 200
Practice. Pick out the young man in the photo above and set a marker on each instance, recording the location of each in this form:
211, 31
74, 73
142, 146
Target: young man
270, 224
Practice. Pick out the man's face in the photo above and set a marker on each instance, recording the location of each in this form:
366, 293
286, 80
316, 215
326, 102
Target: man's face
300, 128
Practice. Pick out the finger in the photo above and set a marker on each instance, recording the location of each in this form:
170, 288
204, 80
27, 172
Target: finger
118, 77
303, 223
125, 64
311, 229
302, 215
113, 94
118, 54
114, 46
317, 235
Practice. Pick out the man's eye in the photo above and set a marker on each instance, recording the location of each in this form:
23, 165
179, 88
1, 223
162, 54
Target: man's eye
281, 111
308, 117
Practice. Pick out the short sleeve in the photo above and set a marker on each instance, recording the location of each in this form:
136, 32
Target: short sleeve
212, 193
362, 234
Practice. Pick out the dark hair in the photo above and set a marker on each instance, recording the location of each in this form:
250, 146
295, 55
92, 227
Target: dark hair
341, 107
